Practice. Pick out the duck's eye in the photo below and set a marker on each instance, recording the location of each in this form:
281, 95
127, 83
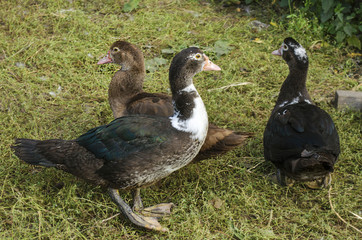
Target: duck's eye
285, 47
115, 49
198, 56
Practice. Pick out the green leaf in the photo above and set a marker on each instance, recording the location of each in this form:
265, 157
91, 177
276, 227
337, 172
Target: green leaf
131, 5
168, 51
267, 233
327, 5
339, 26
340, 16
325, 16
222, 47
284, 3
349, 29
340, 36
154, 63
354, 42
350, 16
238, 234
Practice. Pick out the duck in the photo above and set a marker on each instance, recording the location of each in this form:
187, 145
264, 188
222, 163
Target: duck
126, 97
135, 151
300, 138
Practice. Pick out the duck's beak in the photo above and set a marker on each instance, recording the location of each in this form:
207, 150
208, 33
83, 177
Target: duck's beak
106, 59
210, 66
278, 52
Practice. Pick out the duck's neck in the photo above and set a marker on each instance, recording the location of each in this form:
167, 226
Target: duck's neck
294, 87
183, 91
124, 85
189, 110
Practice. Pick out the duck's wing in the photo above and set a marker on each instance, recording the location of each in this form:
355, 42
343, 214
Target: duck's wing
134, 148
150, 104
126, 135
298, 128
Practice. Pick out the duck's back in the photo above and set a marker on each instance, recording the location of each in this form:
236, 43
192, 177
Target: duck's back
299, 137
150, 104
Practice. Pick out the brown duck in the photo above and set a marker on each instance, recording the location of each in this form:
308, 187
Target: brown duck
126, 96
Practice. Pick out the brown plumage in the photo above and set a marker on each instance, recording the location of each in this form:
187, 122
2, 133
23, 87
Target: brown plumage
126, 96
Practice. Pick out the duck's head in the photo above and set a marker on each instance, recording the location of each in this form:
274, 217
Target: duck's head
124, 54
187, 63
293, 53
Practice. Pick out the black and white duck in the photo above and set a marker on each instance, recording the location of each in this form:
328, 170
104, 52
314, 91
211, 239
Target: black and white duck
126, 97
137, 150
300, 139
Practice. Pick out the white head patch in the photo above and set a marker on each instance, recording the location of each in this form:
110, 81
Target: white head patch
300, 52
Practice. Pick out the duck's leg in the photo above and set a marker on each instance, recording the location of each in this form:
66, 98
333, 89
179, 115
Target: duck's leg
137, 201
139, 220
159, 210
283, 179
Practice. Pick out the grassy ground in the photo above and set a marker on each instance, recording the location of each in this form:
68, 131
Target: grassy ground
51, 87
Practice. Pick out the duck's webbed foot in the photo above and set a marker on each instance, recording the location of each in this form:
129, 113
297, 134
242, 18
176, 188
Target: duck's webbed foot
320, 183
139, 220
158, 211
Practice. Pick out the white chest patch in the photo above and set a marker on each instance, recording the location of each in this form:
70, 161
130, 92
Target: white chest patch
198, 123
294, 101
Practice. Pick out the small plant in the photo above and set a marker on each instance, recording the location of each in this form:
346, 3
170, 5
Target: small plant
221, 47
131, 5
340, 19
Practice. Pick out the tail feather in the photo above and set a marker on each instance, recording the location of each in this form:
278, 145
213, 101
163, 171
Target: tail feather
28, 151
65, 155
309, 168
323, 161
236, 139
219, 141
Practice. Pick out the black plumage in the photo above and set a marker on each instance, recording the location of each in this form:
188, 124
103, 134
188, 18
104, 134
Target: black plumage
136, 150
300, 139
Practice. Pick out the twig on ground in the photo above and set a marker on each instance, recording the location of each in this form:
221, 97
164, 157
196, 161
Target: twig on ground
107, 219
330, 203
39, 224
24, 48
252, 157
356, 215
235, 167
270, 218
229, 86
249, 170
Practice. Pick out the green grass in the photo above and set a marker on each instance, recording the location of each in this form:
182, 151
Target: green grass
230, 197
